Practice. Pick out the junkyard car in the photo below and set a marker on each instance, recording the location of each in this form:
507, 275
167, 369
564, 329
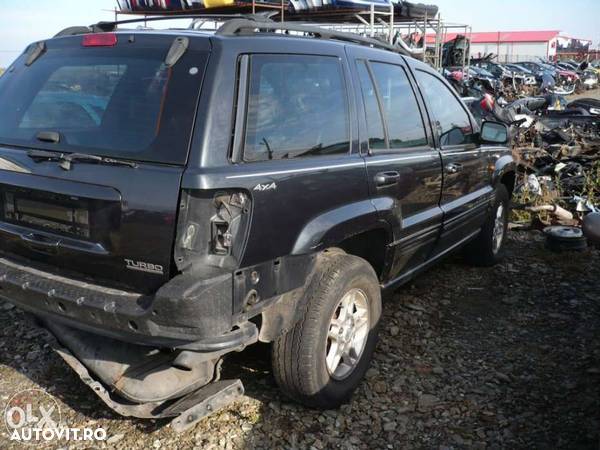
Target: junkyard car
590, 79
538, 69
510, 78
526, 75
170, 197
564, 82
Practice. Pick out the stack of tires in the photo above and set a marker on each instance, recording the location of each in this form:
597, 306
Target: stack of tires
158, 5
402, 8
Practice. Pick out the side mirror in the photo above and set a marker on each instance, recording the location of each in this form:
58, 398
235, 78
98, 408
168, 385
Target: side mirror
494, 133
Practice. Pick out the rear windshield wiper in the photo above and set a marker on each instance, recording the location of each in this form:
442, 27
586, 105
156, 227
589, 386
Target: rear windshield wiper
66, 160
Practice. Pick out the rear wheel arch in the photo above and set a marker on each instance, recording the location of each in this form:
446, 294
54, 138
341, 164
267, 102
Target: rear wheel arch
334, 226
370, 245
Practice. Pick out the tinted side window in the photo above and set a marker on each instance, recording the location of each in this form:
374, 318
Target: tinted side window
403, 118
297, 106
452, 121
373, 114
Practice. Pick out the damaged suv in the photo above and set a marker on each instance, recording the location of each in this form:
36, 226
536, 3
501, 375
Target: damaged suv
170, 197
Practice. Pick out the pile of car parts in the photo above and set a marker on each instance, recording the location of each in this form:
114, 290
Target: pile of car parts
557, 146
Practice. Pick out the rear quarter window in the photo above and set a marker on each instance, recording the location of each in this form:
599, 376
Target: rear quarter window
297, 107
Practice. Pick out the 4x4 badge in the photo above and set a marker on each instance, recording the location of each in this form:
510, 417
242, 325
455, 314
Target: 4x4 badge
265, 187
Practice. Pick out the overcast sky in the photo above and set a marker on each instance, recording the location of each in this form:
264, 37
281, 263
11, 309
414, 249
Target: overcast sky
24, 21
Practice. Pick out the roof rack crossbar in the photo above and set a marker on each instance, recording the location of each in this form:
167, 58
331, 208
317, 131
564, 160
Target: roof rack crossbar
247, 25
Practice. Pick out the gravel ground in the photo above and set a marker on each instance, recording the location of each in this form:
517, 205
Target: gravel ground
592, 93
505, 357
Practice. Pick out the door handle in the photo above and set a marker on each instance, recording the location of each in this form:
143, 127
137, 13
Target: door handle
383, 179
453, 168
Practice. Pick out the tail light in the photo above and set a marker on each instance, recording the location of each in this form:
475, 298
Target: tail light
99, 40
225, 224
211, 225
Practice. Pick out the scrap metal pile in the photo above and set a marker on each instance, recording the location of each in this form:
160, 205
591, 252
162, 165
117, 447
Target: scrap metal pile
556, 144
514, 80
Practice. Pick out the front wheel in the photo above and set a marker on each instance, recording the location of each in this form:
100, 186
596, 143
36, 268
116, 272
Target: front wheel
321, 361
488, 247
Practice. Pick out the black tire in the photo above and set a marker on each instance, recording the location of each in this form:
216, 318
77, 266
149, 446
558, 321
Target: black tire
298, 357
418, 10
482, 250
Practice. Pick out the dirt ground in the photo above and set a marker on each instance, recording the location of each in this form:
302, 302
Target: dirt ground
504, 357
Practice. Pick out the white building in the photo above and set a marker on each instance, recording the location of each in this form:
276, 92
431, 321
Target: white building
514, 46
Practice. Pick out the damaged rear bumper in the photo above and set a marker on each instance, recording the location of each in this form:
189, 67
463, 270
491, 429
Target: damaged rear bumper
163, 321
160, 355
200, 312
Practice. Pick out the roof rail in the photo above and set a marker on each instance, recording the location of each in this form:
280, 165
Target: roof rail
112, 26
249, 25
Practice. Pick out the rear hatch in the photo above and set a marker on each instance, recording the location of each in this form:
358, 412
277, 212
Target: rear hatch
94, 137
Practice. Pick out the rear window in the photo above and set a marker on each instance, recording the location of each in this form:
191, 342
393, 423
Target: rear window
77, 97
120, 102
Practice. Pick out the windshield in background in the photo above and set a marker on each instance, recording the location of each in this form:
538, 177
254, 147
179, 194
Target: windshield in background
520, 68
115, 102
484, 73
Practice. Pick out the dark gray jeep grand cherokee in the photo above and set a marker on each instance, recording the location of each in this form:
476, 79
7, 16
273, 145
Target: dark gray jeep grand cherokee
169, 197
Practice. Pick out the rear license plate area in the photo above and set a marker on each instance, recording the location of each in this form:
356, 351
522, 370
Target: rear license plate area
48, 212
